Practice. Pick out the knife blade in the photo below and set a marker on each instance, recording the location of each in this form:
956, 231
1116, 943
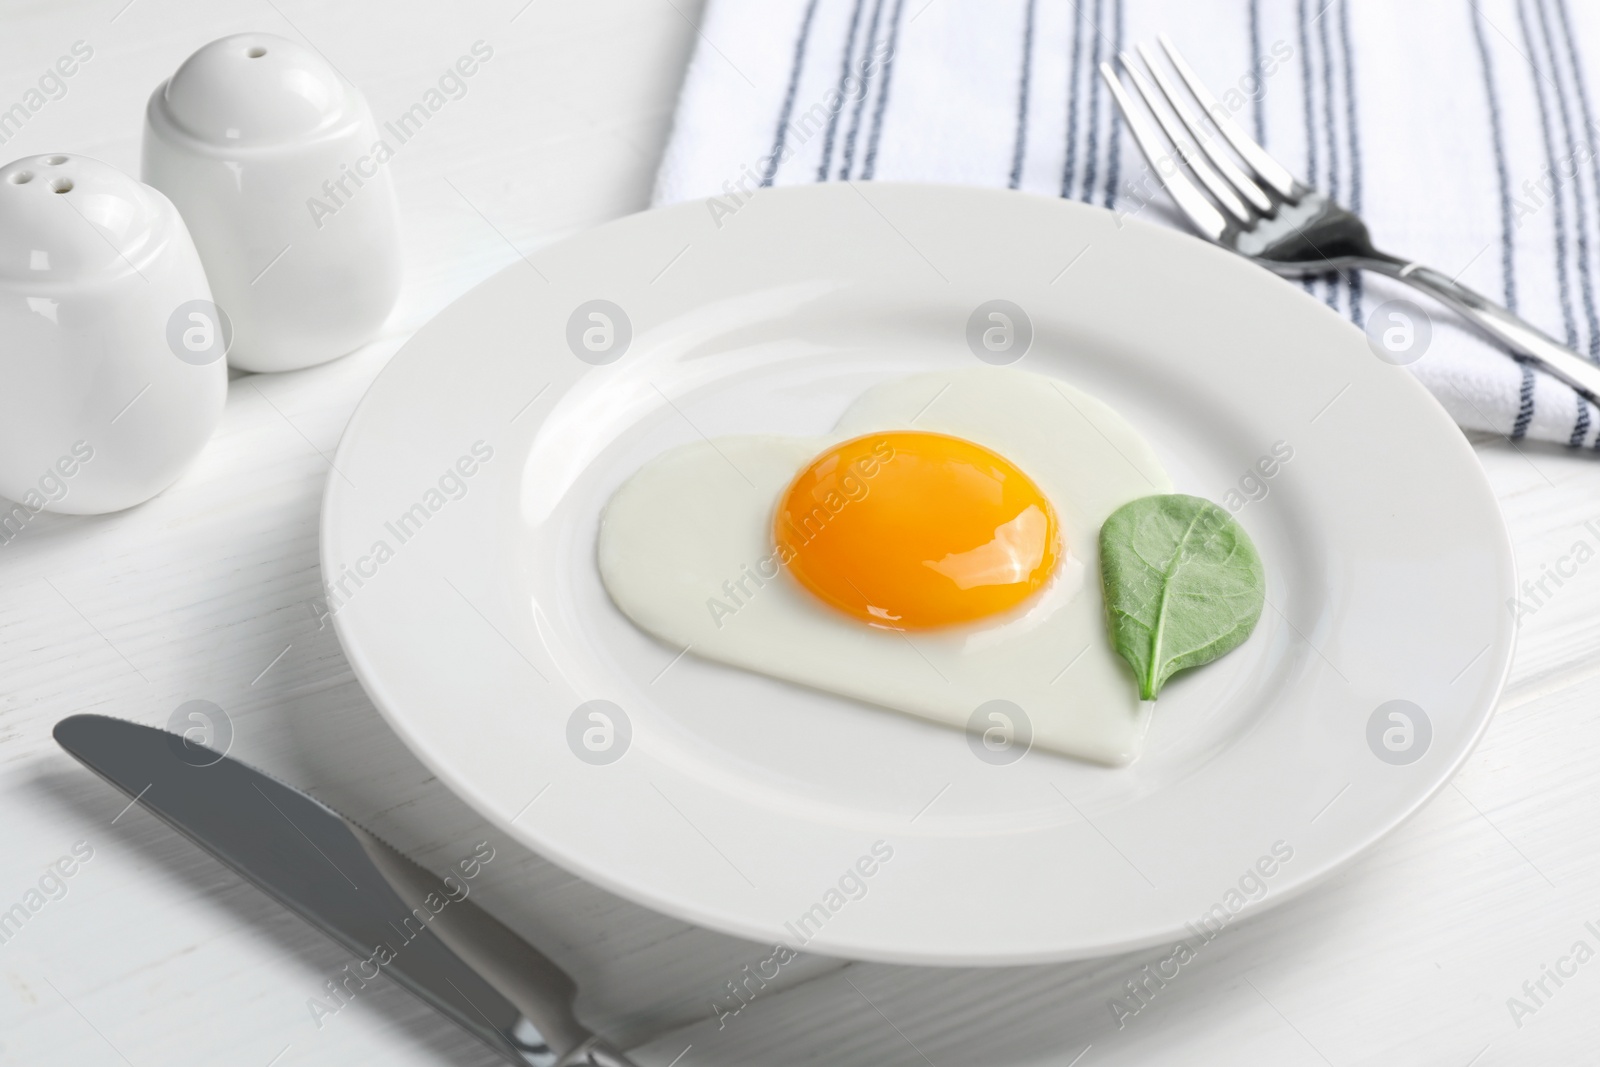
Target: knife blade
395, 915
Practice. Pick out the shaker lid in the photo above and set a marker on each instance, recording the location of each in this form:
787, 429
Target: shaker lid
254, 89
67, 217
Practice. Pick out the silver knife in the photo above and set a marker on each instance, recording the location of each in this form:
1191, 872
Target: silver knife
353, 887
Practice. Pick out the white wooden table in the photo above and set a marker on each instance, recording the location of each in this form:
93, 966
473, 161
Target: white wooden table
152, 953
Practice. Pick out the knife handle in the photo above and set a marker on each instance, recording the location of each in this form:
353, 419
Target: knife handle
353, 887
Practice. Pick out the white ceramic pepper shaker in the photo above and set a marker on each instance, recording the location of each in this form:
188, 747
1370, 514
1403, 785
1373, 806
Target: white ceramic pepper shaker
111, 353
274, 160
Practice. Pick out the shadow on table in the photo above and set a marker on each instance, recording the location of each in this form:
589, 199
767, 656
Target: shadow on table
1103, 1012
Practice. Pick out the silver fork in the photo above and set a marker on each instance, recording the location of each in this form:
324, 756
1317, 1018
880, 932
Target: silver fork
1276, 220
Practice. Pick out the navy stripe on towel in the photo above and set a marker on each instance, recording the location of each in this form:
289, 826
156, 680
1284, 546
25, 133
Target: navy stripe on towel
1524, 405
1310, 111
867, 69
1333, 187
1069, 171
1092, 146
1312, 174
1259, 100
1587, 111
1580, 206
1508, 260
1507, 225
870, 166
1352, 127
1021, 150
786, 112
844, 80
1558, 200
1114, 141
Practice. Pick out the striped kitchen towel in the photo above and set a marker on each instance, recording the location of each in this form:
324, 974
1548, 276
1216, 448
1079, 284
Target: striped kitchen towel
1464, 131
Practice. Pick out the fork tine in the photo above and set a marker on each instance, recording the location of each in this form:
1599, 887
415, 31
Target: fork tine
1205, 217
1219, 159
1220, 190
1266, 168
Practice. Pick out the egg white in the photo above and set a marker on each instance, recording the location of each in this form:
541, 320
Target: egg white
692, 529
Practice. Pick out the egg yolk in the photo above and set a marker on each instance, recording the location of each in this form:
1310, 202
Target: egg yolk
911, 530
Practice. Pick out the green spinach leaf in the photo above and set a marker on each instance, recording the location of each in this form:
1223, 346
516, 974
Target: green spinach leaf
1183, 585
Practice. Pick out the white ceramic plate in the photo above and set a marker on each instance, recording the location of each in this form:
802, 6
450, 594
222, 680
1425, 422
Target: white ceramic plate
479, 626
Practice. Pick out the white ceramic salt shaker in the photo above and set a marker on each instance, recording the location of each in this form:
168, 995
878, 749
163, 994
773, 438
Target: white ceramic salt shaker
112, 374
276, 164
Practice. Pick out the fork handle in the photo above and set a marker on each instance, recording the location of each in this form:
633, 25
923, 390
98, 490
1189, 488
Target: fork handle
1527, 342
